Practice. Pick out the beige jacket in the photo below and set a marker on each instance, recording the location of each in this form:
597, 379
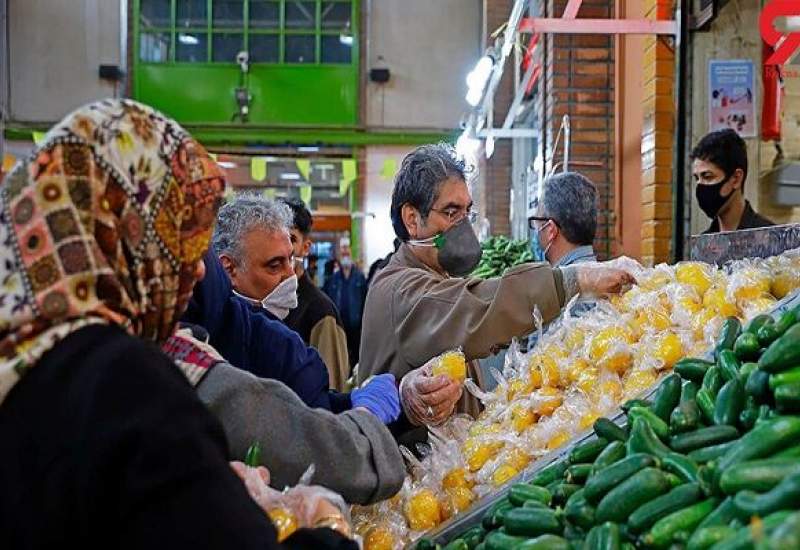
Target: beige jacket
413, 314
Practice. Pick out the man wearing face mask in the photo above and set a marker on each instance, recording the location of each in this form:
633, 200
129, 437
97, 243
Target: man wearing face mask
348, 289
719, 168
423, 302
563, 229
315, 318
249, 287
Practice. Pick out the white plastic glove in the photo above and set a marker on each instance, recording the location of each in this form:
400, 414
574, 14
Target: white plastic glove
601, 279
427, 399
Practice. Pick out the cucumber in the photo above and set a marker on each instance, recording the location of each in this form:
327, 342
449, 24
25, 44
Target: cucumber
687, 519
611, 476
603, 537
706, 537
784, 496
626, 497
712, 452
691, 368
563, 491
789, 452
782, 353
791, 376
535, 504
666, 397
787, 398
473, 537
680, 465
492, 517
614, 452
253, 456
426, 544
764, 439
650, 512
758, 475
520, 493
497, 540
749, 415
757, 322
660, 428
705, 402
787, 535
728, 365
730, 402
686, 416
578, 473
544, 542
531, 523
731, 328
745, 371
644, 440
767, 334
746, 346
704, 437
578, 511
608, 430
457, 544
712, 381
551, 473
630, 403
723, 514
786, 321
757, 385
588, 451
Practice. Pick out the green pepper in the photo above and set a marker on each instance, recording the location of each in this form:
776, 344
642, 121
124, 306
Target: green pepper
253, 456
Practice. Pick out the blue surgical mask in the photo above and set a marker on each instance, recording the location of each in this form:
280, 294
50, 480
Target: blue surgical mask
539, 253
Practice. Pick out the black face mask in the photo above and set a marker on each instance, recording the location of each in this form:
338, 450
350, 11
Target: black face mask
459, 249
710, 199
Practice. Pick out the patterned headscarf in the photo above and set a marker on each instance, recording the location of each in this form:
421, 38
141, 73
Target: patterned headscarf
104, 223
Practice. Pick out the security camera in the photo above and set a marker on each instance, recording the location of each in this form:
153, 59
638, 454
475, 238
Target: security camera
243, 58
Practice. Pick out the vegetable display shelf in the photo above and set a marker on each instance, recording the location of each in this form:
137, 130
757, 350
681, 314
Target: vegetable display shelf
456, 526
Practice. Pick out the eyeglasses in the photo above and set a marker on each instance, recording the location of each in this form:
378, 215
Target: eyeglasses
454, 215
533, 219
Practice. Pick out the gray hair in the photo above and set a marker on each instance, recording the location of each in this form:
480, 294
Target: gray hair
570, 199
417, 183
244, 213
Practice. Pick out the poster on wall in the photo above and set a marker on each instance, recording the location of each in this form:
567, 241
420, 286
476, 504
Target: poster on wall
732, 96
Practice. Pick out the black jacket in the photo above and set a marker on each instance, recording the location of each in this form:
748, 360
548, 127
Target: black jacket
750, 220
104, 444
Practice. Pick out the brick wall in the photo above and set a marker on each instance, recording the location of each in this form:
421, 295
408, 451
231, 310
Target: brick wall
657, 139
495, 195
579, 81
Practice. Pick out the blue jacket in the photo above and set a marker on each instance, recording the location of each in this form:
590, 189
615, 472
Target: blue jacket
348, 295
252, 340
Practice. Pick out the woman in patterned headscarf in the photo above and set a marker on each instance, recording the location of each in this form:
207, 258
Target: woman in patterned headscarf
102, 232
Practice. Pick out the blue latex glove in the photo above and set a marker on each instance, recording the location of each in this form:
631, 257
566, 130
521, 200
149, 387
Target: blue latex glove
379, 397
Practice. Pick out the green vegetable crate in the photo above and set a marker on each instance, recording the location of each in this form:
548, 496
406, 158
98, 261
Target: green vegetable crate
703, 461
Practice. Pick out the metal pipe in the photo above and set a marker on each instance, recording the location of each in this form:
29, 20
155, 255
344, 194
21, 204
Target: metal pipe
565, 123
678, 166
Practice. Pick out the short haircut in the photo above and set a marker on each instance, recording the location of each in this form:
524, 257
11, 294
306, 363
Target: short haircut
244, 213
419, 179
724, 148
570, 199
302, 216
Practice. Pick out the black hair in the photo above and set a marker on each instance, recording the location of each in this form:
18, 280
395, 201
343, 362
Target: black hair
302, 217
724, 148
417, 182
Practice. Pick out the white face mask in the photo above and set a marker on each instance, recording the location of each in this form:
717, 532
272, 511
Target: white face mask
346, 261
280, 301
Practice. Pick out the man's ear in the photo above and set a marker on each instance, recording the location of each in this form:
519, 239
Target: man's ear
738, 179
228, 265
306, 247
411, 220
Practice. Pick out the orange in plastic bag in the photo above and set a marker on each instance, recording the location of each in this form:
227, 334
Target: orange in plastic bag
379, 537
695, 275
457, 477
452, 364
284, 521
422, 510
502, 474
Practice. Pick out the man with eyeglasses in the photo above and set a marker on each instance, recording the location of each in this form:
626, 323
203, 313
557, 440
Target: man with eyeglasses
563, 229
424, 303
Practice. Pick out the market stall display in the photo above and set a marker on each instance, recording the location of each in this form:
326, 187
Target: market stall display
710, 461
581, 370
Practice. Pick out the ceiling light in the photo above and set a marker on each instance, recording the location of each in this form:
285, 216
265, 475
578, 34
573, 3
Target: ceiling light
188, 39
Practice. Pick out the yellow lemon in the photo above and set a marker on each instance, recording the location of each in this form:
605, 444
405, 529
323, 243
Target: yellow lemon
668, 349
547, 400
284, 521
716, 298
638, 381
557, 440
379, 537
522, 418
457, 477
503, 473
694, 274
452, 365
422, 510
784, 282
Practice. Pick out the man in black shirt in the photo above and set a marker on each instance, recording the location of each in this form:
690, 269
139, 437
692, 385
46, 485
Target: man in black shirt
719, 168
315, 318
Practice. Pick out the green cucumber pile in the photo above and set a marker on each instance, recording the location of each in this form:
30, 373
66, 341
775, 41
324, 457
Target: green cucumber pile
712, 461
500, 254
